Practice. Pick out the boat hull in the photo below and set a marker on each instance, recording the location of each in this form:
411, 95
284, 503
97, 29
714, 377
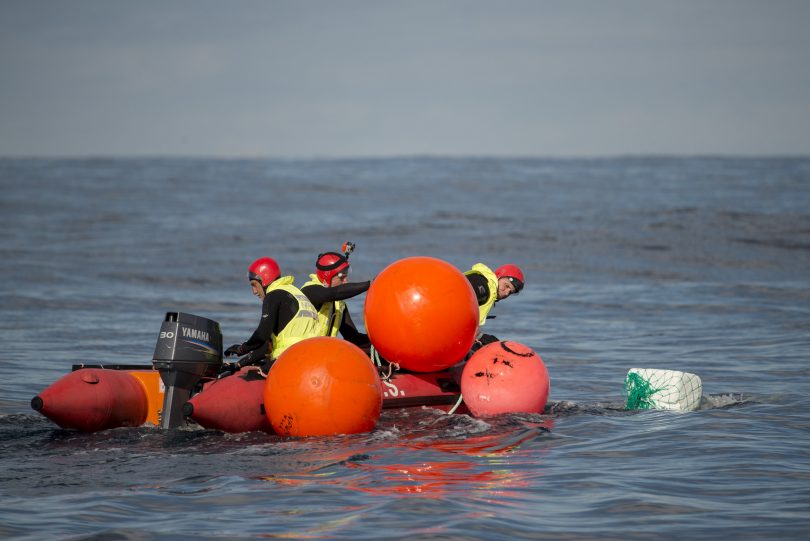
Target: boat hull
96, 398
93, 399
232, 404
236, 403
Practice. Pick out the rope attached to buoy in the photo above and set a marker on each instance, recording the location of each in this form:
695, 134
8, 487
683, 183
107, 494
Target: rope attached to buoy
375, 356
458, 403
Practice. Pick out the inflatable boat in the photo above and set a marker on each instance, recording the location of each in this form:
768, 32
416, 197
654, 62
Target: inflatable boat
181, 387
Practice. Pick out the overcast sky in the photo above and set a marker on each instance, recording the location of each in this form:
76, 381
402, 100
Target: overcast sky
379, 78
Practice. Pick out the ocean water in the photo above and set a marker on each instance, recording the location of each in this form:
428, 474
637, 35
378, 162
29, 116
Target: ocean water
693, 264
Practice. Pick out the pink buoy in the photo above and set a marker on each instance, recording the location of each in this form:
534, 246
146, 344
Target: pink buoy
505, 377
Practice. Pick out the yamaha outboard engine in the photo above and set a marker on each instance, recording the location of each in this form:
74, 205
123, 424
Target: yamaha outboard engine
188, 348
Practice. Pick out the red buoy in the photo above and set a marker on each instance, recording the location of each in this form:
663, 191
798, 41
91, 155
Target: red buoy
232, 404
421, 313
323, 386
505, 377
92, 399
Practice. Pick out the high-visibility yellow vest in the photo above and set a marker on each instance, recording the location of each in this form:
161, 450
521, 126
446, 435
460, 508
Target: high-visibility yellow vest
330, 314
304, 323
492, 284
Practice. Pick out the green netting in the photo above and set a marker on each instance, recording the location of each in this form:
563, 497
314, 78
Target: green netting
650, 388
639, 392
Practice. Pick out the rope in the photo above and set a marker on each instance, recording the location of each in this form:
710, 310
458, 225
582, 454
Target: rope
375, 356
458, 403
391, 368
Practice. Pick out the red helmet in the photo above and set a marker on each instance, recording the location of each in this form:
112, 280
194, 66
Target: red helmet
514, 274
264, 270
329, 264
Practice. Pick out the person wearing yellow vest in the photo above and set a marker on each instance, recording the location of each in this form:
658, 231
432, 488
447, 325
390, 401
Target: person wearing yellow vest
328, 288
287, 317
491, 287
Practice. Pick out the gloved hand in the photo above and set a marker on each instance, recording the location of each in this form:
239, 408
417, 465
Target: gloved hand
235, 349
487, 339
227, 369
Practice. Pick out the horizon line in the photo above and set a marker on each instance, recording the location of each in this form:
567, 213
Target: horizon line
416, 155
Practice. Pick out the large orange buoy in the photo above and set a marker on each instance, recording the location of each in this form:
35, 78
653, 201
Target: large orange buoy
422, 313
505, 377
323, 386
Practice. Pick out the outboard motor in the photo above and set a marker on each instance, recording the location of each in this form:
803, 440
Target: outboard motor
188, 348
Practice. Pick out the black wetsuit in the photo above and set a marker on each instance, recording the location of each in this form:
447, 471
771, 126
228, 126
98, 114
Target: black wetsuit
278, 308
319, 294
480, 287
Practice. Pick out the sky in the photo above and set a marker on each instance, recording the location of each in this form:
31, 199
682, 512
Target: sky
334, 79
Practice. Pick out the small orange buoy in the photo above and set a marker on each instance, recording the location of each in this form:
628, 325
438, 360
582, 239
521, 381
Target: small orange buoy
505, 377
421, 312
323, 386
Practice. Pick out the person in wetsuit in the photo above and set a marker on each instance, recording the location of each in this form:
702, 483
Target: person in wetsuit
287, 317
491, 287
327, 290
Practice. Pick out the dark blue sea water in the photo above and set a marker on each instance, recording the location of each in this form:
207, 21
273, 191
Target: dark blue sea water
693, 264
